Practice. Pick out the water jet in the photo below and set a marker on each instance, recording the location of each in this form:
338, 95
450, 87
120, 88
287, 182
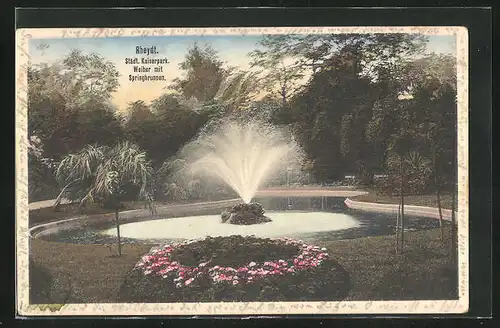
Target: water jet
243, 155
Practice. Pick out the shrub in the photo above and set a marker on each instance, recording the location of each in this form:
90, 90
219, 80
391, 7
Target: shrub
417, 173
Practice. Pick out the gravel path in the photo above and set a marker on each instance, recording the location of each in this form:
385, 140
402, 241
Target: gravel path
299, 191
45, 203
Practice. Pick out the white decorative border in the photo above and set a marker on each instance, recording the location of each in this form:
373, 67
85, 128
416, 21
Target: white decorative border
269, 308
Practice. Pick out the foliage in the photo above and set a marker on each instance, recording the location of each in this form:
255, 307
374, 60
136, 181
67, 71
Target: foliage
175, 192
351, 101
40, 172
207, 82
204, 73
106, 174
417, 172
163, 127
69, 103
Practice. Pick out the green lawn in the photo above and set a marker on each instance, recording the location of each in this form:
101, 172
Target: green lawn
93, 273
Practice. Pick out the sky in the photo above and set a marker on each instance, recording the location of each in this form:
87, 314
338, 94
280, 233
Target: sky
231, 49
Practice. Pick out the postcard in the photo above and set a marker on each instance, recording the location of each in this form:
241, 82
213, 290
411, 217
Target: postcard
242, 171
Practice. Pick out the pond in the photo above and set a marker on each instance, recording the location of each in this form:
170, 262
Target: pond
311, 219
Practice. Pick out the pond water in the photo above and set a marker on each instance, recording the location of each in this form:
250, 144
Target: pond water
311, 219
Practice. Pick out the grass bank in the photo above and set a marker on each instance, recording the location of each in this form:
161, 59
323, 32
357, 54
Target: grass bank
93, 273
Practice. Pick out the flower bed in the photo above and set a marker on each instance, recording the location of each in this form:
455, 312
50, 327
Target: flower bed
235, 268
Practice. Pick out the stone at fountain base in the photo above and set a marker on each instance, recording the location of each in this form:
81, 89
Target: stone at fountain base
245, 214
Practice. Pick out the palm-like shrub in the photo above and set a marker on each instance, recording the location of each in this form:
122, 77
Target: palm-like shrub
106, 175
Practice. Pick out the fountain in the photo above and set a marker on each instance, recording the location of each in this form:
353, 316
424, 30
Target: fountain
244, 155
245, 214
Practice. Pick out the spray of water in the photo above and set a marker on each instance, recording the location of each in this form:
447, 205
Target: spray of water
244, 155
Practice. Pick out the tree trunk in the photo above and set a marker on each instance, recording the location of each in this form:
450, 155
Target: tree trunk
397, 228
402, 206
117, 222
438, 194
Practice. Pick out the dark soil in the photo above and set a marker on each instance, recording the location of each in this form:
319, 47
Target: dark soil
233, 251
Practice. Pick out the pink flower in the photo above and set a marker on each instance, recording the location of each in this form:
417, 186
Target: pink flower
189, 281
251, 264
242, 269
235, 282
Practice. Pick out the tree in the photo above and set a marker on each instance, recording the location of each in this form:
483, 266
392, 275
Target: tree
279, 73
351, 76
203, 74
328, 114
89, 75
69, 103
374, 54
104, 175
434, 87
237, 90
138, 111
